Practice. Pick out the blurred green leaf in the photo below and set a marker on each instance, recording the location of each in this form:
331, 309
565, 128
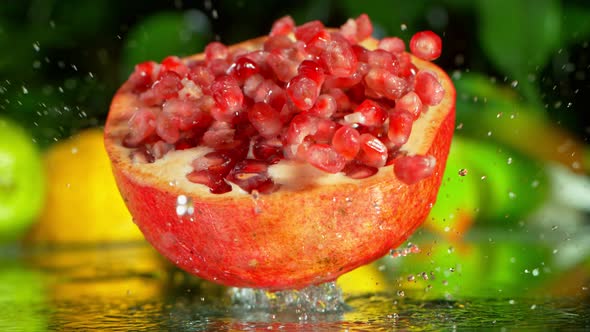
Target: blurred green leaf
519, 36
164, 34
576, 23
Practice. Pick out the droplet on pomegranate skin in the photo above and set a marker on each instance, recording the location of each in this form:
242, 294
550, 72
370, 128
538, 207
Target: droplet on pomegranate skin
283, 26
346, 141
324, 157
303, 91
426, 45
428, 88
411, 169
400, 127
265, 119
372, 151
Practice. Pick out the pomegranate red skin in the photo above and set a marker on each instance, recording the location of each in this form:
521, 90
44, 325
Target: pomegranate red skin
289, 239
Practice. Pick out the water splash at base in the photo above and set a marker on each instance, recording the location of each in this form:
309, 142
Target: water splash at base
322, 298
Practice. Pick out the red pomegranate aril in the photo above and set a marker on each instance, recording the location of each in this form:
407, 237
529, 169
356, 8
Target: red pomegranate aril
313, 70
410, 102
324, 107
325, 131
167, 129
428, 88
400, 127
364, 27
383, 83
278, 43
392, 45
382, 59
243, 68
219, 135
202, 76
411, 169
228, 97
426, 45
269, 92
175, 64
166, 87
303, 92
284, 62
372, 151
219, 163
216, 51
216, 183
405, 66
185, 113
250, 175
142, 125
342, 101
308, 31
142, 77
324, 157
283, 26
358, 171
373, 114
343, 82
265, 119
301, 126
338, 58
160, 148
268, 149
346, 141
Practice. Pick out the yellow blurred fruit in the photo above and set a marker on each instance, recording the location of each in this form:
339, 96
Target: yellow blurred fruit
83, 204
366, 279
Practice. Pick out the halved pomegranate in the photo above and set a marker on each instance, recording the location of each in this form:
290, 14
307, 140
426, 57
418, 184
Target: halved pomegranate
286, 160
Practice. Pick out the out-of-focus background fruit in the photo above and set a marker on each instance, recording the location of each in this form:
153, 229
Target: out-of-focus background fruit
519, 170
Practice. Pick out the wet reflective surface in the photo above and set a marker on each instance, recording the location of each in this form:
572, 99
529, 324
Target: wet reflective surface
129, 287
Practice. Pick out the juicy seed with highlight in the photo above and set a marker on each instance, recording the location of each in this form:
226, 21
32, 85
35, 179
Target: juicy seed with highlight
411, 169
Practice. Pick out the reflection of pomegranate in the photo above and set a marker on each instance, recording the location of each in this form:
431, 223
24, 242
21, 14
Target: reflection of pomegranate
286, 160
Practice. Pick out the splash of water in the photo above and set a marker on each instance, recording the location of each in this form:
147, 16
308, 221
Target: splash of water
323, 298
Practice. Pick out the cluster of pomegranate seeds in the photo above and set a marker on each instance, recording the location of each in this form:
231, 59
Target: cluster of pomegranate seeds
308, 94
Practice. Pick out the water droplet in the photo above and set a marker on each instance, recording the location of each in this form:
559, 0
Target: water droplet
36, 46
463, 172
411, 277
511, 195
554, 228
184, 206
401, 293
535, 272
514, 84
445, 282
511, 301
25, 90
533, 307
555, 251
403, 27
451, 249
509, 161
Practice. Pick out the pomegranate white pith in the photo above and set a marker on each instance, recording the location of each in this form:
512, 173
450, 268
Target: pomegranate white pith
316, 224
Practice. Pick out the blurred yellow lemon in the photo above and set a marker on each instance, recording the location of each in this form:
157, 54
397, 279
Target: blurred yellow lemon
83, 204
